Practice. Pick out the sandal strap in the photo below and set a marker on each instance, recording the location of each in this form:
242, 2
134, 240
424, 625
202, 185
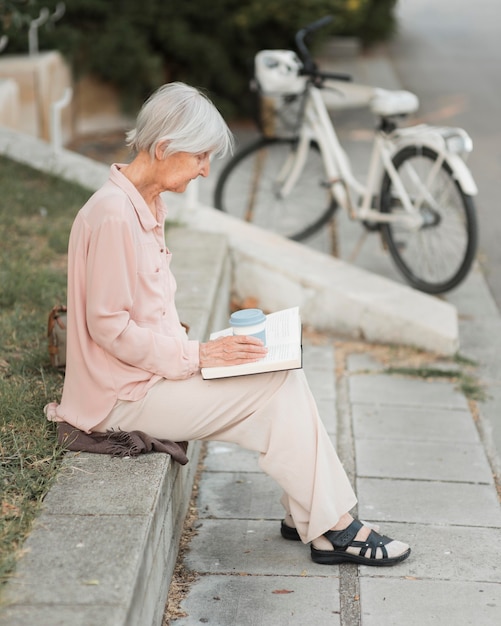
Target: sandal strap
372, 543
341, 539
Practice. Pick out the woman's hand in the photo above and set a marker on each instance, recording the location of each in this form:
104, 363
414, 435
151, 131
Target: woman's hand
231, 350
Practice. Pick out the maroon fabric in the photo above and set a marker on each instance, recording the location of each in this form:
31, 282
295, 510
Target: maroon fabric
119, 443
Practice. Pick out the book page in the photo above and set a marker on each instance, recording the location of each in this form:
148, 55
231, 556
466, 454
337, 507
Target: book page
282, 327
284, 352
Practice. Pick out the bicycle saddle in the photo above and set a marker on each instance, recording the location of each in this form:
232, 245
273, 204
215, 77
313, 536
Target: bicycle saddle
388, 103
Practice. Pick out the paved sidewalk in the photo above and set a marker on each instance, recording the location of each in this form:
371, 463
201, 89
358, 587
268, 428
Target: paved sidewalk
413, 451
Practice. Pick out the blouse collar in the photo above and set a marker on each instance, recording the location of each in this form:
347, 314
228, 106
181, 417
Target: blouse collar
145, 216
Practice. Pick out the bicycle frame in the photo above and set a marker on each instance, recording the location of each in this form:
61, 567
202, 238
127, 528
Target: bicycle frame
418, 189
348, 192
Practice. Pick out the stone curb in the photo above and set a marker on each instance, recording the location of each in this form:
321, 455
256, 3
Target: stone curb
334, 296
107, 538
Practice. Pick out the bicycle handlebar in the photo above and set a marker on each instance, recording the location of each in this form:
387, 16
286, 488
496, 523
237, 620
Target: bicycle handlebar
309, 65
332, 76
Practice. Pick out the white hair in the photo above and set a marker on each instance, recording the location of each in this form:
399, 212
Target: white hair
184, 120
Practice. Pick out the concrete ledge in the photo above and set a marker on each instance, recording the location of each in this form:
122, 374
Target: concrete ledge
66, 164
105, 545
333, 296
107, 537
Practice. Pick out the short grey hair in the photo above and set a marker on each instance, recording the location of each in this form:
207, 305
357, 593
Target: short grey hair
185, 119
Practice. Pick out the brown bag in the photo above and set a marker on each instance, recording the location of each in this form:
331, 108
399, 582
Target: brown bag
56, 333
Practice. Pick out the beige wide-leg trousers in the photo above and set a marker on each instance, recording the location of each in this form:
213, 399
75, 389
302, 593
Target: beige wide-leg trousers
273, 414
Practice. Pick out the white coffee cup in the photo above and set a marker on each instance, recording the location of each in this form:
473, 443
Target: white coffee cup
249, 322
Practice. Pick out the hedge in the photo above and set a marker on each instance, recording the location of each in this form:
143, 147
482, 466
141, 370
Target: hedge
138, 45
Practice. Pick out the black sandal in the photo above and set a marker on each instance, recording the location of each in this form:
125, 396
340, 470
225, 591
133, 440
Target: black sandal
342, 539
288, 532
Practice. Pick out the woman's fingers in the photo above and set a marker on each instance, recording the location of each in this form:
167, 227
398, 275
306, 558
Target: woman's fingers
231, 350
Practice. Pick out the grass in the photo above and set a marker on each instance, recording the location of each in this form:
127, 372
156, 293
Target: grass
466, 383
36, 213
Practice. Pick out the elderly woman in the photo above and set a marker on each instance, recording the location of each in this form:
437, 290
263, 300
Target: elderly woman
131, 366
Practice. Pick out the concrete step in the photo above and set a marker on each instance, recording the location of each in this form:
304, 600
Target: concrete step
104, 547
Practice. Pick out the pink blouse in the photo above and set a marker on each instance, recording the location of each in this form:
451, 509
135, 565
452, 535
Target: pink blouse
124, 332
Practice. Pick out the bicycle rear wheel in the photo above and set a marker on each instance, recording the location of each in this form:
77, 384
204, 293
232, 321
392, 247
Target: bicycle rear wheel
249, 188
437, 256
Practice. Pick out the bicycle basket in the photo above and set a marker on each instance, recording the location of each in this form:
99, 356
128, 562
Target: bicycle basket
279, 115
280, 91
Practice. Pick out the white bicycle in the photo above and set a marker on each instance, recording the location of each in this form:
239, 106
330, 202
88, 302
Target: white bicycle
418, 193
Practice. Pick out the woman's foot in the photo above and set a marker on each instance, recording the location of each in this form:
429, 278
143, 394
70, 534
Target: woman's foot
356, 543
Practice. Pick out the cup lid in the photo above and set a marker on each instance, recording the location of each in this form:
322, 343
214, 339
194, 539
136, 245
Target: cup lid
247, 317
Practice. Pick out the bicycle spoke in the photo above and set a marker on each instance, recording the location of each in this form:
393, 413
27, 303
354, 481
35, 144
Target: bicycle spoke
423, 187
251, 187
257, 168
436, 256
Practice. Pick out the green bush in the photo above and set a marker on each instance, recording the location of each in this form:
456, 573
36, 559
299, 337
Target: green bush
140, 45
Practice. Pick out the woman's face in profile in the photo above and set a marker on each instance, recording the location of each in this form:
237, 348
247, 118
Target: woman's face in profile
176, 171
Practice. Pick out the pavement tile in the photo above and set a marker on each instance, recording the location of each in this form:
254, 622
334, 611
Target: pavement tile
463, 462
360, 362
321, 386
490, 411
428, 502
319, 368
263, 601
252, 547
429, 603
483, 339
231, 495
44, 615
413, 423
319, 358
228, 457
399, 390
327, 411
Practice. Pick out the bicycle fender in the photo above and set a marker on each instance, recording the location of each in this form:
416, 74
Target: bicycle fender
435, 138
462, 174
435, 142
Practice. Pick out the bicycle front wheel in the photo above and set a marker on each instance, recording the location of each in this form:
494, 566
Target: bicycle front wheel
250, 187
437, 256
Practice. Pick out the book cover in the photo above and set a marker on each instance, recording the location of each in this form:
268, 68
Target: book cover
283, 340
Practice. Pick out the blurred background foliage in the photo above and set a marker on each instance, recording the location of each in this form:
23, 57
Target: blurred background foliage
139, 45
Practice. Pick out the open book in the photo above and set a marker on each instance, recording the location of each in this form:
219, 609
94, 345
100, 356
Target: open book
283, 340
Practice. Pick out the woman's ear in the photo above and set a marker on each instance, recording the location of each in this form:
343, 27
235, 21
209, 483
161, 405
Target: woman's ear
160, 149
